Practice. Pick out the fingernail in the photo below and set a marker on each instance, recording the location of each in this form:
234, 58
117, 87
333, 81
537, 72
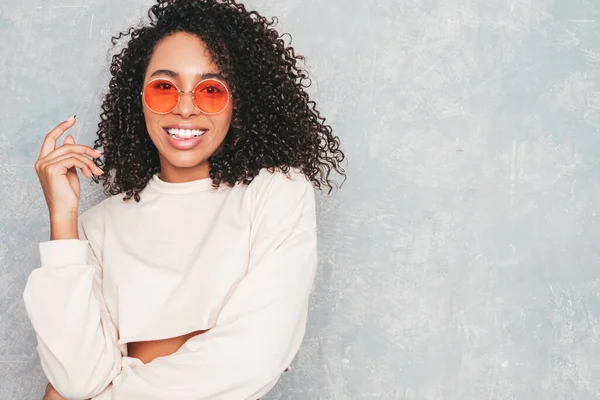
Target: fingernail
71, 119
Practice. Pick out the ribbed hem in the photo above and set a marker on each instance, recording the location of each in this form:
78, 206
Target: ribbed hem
57, 253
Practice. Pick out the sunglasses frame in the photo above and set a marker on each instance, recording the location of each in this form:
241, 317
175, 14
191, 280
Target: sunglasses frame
180, 92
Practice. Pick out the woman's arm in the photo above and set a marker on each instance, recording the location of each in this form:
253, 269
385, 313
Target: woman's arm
261, 326
76, 338
75, 333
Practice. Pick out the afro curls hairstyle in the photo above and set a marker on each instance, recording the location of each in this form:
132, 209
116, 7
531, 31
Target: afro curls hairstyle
274, 123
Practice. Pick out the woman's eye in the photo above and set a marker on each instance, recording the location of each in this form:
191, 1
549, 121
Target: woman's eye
163, 86
212, 90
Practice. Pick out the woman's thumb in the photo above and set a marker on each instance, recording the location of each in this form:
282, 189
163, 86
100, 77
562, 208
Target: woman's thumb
69, 140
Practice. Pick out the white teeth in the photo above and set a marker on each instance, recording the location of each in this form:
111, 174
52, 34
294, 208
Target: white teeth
185, 133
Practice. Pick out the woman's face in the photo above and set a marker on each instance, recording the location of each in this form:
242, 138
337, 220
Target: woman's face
183, 59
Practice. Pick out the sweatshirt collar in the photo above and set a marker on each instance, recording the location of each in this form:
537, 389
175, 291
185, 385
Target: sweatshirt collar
161, 186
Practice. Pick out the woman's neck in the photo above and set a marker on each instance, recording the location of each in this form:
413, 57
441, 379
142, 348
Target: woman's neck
173, 174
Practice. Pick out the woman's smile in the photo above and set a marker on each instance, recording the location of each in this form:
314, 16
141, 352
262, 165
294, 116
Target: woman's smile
185, 136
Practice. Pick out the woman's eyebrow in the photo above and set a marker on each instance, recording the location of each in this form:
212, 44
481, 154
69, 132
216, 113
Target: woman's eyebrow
167, 72
175, 75
211, 75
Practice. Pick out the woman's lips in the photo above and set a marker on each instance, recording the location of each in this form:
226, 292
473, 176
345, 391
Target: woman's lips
184, 144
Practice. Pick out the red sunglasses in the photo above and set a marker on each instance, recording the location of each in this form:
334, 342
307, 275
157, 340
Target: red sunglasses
161, 96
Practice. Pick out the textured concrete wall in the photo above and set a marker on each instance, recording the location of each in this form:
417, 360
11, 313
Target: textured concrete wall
460, 260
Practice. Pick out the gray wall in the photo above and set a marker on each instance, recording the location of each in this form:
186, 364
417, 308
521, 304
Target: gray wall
460, 260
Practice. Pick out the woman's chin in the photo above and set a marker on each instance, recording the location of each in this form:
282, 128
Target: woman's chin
186, 161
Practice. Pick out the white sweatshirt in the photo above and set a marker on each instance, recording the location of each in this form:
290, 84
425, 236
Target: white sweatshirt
239, 261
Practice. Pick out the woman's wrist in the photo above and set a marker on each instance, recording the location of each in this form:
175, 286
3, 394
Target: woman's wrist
63, 226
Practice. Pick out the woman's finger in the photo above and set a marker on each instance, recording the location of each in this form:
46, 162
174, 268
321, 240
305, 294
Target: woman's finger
49, 143
71, 161
72, 148
52, 394
93, 167
69, 140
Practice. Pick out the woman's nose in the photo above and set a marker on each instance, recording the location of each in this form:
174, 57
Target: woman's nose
186, 106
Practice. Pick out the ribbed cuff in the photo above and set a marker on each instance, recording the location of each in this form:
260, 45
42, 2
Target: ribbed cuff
58, 253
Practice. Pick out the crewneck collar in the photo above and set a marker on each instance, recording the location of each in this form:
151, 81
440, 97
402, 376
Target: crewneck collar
161, 186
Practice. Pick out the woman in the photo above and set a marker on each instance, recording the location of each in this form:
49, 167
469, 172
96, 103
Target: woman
191, 280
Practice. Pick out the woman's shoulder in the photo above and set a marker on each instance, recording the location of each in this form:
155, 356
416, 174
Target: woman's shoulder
280, 179
277, 183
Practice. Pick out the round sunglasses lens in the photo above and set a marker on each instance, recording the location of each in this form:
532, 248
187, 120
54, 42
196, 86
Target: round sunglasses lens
161, 96
211, 96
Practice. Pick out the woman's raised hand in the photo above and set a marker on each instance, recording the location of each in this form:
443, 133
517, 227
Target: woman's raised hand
57, 167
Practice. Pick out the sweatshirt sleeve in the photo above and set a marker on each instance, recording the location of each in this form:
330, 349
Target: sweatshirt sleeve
260, 328
76, 338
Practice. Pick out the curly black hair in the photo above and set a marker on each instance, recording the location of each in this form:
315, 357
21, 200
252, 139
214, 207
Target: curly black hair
274, 123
